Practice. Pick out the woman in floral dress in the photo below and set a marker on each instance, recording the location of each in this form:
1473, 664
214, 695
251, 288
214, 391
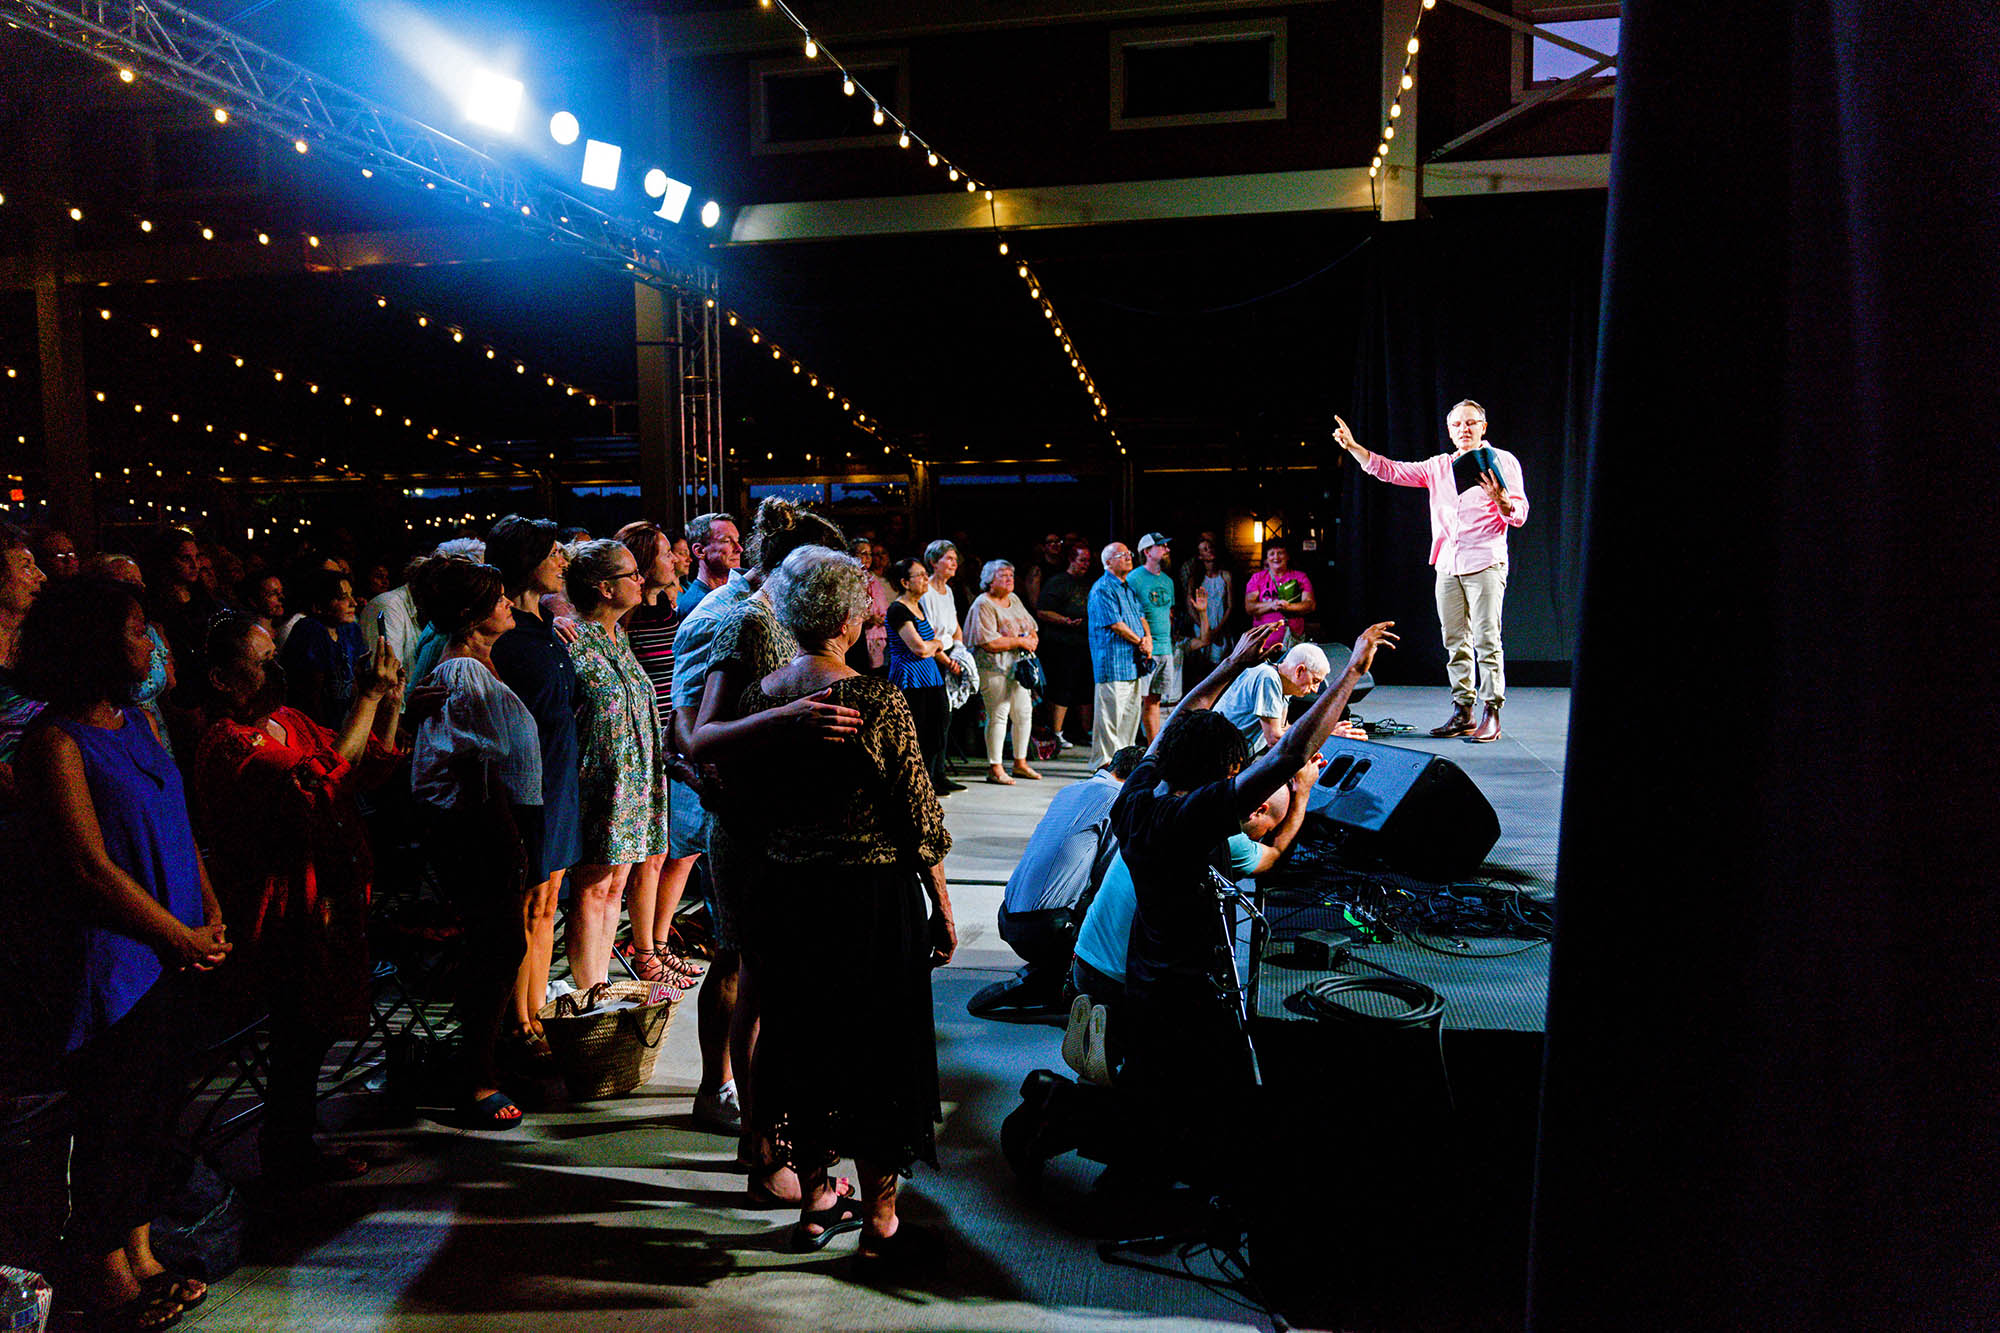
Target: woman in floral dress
624, 796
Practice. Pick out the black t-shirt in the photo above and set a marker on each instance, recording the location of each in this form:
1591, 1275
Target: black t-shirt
1168, 843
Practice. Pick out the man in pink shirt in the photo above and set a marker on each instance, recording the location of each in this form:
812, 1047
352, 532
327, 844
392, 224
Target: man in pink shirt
1469, 549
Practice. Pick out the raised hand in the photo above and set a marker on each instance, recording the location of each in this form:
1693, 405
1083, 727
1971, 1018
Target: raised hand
1375, 636
1264, 641
1345, 437
382, 677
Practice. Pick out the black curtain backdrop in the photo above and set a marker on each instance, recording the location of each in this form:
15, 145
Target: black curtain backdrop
1497, 304
1771, 1092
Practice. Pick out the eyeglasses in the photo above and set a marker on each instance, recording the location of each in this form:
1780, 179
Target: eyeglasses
628, 574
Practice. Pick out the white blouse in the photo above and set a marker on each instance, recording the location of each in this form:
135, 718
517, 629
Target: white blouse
941, 613
480, 716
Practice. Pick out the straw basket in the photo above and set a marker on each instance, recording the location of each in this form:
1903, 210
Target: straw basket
609, 1054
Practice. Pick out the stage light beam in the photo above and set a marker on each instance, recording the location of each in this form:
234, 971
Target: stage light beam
563, 128
493, 100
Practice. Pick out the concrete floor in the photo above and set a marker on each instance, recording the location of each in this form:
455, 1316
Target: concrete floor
623, 1215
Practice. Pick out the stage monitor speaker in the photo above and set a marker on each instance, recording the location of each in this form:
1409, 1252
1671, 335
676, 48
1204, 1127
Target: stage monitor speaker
1416, 811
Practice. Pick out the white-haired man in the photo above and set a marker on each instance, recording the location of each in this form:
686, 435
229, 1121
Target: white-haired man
1255, 702
1121, 652
1469, 548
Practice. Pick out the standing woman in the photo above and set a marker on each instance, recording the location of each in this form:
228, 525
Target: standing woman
477, 766
325, 650
916, 657
536, 666
871, 652
1210, 612
122, 859
659, 882
276, 794
624, 793
1001, 630
857, 842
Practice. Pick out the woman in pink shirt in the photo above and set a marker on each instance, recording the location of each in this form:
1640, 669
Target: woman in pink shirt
1279, 592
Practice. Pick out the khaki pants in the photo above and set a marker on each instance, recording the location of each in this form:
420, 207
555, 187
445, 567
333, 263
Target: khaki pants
1469, 611
1005, 697
1117, 722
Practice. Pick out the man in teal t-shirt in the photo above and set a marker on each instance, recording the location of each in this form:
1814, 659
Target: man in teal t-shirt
1156, 592
1105, 937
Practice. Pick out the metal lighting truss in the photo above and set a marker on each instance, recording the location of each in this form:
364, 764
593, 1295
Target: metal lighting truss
180, 50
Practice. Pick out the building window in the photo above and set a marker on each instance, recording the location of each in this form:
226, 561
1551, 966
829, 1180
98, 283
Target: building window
1540, 63
1210, 74
798, 106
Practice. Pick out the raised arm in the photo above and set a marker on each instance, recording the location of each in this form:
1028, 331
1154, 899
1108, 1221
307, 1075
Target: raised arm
1295, 817
1276, 766
1251, 649
1388, 469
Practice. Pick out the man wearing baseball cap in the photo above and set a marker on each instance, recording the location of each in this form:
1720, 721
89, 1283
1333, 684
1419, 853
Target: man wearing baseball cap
1156, 591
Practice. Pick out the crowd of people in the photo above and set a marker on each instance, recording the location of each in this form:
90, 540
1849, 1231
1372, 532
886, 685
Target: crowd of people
213, 754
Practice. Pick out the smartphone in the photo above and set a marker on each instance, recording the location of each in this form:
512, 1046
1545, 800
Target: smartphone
381, 626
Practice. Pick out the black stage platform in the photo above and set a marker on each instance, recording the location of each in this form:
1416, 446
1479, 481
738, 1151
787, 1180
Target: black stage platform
1426, 1131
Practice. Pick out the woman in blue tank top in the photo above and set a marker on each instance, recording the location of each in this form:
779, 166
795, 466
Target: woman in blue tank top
131, 891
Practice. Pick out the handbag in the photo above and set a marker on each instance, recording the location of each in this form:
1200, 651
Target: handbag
1028, 674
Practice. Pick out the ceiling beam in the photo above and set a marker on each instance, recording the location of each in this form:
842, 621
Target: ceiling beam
1340, 189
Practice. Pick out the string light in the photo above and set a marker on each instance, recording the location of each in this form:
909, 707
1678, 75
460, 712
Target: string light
1406, 82
859, 420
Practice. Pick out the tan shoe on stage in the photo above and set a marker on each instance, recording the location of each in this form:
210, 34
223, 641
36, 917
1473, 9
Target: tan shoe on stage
1489, 726
1458, 724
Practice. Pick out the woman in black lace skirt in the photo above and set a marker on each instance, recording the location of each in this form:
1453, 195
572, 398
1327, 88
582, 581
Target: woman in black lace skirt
848, 1062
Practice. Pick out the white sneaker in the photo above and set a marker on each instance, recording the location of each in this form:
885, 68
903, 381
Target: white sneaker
1064, 743
719, 1110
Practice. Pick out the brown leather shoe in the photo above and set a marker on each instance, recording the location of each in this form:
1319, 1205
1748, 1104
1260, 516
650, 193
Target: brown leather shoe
1458, 725
1489, 726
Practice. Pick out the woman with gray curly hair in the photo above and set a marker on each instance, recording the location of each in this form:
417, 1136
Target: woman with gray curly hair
857, 842
1001, 631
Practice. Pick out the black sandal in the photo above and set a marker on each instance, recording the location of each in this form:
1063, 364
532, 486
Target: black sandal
176, 1288
844, 1215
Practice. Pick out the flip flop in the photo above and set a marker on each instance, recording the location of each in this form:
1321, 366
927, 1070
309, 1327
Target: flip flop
486, 1113
845, 1215
142, 1314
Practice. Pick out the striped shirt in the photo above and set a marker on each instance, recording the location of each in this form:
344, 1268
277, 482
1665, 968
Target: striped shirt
651, 631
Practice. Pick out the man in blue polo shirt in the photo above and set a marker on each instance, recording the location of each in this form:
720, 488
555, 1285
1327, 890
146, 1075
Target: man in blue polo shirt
1119, 640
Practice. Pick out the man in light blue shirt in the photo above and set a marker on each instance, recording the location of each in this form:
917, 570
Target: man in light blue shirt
1118, 639
1254, 703
1102, 944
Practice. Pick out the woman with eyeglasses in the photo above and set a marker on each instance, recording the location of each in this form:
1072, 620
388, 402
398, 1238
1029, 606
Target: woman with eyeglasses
624, 790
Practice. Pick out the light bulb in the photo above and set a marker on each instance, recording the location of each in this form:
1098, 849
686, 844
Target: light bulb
299, 145
1412, 47
812, 49
931, 157
76, 215
903, 139
1388, 133
1408, 83
221, 116
847, 86
1003, 247
126, 76
879, 117
144, 225
208, 233
952, 174
1395, 110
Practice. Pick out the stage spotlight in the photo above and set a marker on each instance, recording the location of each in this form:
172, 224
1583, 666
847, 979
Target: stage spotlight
600, 164
676, 193
493, 100
711, 213
563, 128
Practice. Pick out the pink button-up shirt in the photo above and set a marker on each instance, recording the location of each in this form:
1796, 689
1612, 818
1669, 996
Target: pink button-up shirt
1468, 531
